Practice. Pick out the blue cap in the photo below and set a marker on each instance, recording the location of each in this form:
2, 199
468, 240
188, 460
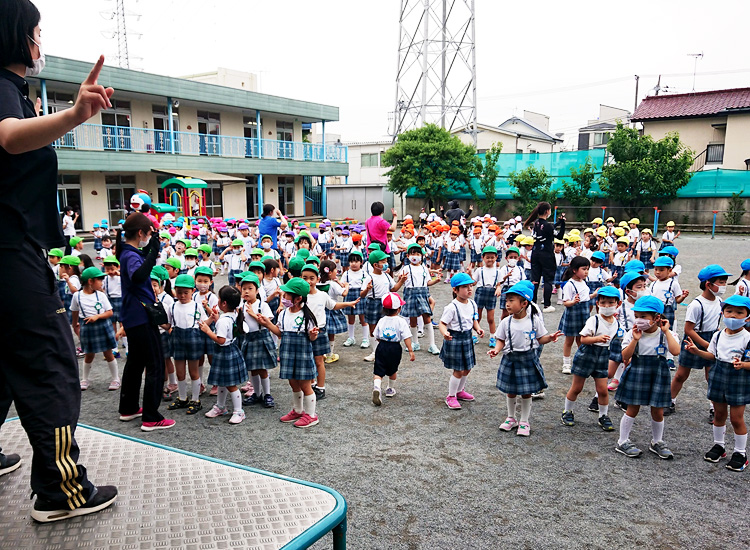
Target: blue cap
745, 265
522, 290
598, 255
96, 225
629, 277
671, 250
461, 279
121, 222
608, 292
664, 261
738, 301
711, 272
105, 222
649, 304
635, 265
526, 283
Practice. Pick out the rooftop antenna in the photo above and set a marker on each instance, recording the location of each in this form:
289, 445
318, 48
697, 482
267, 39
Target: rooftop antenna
696, 57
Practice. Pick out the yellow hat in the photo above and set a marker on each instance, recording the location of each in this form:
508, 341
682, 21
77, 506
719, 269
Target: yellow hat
559, 241
635, 221
623, 240
597, 220
601, 232
574, 238
575, 232
588, 230
610, 219
527, 240
647, 230
623, 224
519, 238
619, 231
670, 224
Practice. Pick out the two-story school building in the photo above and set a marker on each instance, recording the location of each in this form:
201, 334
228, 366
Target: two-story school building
247, 146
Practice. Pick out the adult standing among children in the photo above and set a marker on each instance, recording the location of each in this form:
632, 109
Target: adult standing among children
543, 263
377, 229
38, 367
69, 227
456, 214
271, 220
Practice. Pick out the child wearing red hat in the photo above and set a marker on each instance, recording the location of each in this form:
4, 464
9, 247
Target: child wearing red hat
391, 330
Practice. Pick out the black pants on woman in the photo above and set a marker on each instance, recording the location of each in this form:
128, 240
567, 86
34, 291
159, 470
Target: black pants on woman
543, 268
144, 353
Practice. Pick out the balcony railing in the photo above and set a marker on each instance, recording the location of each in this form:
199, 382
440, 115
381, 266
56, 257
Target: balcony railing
715, 153
97, 137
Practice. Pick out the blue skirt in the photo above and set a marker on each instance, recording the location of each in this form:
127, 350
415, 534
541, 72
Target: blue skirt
352, 295
67, 300
373, 310
594, 285
259, 350
728, 385
321, 345
591, 360
231, 276
690, 361
520, 373
97, 244
458, 353
416, 302
669, 314
335, 322
476, 257
274, 304
485, 297
296, 357
187, 344
116, 302
97, 336
215, 248
645, 257
204, 239
343, 256
208, 344
228, 366
618, 271
646, 382
574, 318
453, 261
166, 345
326, 247
559, 272
61, 286
615, 350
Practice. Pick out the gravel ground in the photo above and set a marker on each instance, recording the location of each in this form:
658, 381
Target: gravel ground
417, 475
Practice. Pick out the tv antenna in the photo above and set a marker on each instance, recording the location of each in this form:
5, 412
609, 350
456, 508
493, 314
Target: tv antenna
696, 57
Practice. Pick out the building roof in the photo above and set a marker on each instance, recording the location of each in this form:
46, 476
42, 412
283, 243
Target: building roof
534, 132
692, 105
598, 126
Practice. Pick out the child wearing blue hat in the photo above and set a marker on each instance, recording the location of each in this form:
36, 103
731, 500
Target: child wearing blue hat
729, 380
598, 275
742, 283
701, 322
667, 288
456, 324
518, 338
592, 357
645, 381
672, 253
632, 287
576, 296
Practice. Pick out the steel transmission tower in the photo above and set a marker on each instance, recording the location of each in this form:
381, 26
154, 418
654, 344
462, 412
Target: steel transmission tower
436, 76
122, 35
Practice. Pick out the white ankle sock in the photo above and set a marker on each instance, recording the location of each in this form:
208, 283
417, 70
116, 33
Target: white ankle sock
511, 401
333, 345
265, 383
374, 345
525, 409
350, 331
297, 401
309, 404
113, 372
569, 405
626, 424
391, 383
453, 386
182, 389
86, 370
720, 435
566, 360
236, 400
430, 333
657, 431
420, 323
195, 388
255, 381
221, 397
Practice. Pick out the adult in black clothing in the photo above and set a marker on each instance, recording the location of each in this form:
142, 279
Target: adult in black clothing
455, 213
38, 367
543, 254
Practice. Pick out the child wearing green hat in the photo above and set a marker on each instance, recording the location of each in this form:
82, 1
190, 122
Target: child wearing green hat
208, 301
257, 346
113, 289
70, 273
91, 318
378, 285
76, 246
159, 282
235, 258
204, 259
53, 258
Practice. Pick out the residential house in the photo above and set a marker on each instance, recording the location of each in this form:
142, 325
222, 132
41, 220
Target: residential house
595, 134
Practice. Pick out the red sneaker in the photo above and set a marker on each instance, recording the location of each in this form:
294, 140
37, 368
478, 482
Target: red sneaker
306, 421
164, 424
291, 416
464, 396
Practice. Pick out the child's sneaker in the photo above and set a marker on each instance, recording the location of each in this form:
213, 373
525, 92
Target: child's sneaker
237, 417
524, 429
349, 342
594, 405
365, 344
306, 421
114, 385
464, 396
509, 424
79, 352
178, 404
452, 402
433, 350
163, 424
193, 407
493, 341
475, 338
252, 399
291, 416
606, 423
370, 358
216, 411
612, 386
568, 418
716, 453
390, 392
415, 346
628, 449
661, 450
203, 388
85, 384
214, 391
116, 353
268, 401
420, 333
376, 397
737, 463
566, 368
248, 387
538, 394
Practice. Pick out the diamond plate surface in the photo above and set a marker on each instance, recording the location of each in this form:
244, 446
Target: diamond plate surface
166, 500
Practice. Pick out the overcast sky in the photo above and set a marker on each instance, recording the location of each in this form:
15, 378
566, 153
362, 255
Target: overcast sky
558, 58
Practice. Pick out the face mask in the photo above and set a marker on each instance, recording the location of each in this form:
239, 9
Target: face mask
512, 262
642, 324
720, 290
638, 293
203, 288
266, 245
190, 263
608, 311
38, 63
235, 251
286, 303
734, 324
415, 259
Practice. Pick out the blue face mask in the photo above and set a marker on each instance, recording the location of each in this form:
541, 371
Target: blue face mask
734, 324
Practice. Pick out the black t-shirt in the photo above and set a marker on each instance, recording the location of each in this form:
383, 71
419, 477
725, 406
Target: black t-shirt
28, 182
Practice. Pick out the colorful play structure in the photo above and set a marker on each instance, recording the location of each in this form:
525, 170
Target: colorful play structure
180, 193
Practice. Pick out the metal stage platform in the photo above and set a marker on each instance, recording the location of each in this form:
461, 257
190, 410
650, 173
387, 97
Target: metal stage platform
205, 503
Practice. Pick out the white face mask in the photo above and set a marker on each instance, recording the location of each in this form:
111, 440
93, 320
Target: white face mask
415, 259
190, 263
38, 63
642, 324
721, 290
266, 245
640, 293
142, 244
608, 311
512, 262
202, 288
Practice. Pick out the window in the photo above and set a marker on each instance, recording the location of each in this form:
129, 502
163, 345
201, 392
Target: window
284, 131
250, 129
251, 192
116, 130
69, 194
119, 191
519, 151
57, 101
286, 195
213, 204
209, 126
601, 138
370, 160
161, 127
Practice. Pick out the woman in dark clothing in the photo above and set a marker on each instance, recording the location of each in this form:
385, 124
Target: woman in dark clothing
137, 257
455, 213
543, 254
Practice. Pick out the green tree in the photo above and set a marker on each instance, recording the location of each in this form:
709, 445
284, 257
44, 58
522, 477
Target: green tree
735, 210
433, 162
578, 192
645, 173
488, 177
532, 185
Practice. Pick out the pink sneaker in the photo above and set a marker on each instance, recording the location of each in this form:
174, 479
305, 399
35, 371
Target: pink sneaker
509, 424
524, 429
306, 421
129, 417
452, 402
214, 390
85, 385
291, 416
161, 425
612, 386
216, 411
464, 396
237, 417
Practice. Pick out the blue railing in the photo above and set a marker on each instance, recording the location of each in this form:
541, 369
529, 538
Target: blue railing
98, 137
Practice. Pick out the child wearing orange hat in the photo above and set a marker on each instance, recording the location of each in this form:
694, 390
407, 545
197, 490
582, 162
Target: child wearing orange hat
455, 250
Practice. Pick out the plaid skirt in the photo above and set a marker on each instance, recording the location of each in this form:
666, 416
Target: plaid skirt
618, 271
416, 302
645, 257
296, 357
559, 272
501, 299
326, 247
204, 239
358, 309
615, 350
231, 276
274, 304
520, 373
215, 248
458, 353
343, 256
67, 300
116, 302
463, 255
669, 314
187, 344
228, 366
321, 345
690, 361
485, 297
166, 345
594, 285
453, 261
208, 344
335, 322
574, 318
373, 310
646, 381
727, 385
97, 244
476, 257
259, 350
97, 336
61, 286
591, 360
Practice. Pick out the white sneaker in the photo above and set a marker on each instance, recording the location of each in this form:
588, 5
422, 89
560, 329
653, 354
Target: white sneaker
415, 346
365, 344
420, 333
349, 342
370, 358
433, 350
549, 309
566, 369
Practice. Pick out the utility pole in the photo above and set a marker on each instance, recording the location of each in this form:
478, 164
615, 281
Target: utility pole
637, 78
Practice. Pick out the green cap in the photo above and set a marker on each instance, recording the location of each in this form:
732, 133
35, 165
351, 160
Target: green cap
296, 285
377, 256
111, 260
257, 252
242, 275
373, 246
91, 273
75, 240
205, 248
512, 249
186, 242
164, 235
313, 259
174, 262
251, 278
159, 273
303, 235
414, 246
204, 270
70, 260
356, 253
256, 265
489, 250
56, 252
296, 263
266, 237
303, 253
191, 252
184, 281
311, 267
238, 242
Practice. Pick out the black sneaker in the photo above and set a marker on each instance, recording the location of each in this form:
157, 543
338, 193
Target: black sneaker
254, 399
670, 410
320, 393
710, 416
622, 406
178, 404
737, 463
268, 401
594, 405
47, 511
606, 423
567, 418
9, 463
193, 407
716, 453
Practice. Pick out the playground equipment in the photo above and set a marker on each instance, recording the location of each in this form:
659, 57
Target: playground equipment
141, 202
186, 195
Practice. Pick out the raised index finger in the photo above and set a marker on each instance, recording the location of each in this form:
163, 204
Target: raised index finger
94, 74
